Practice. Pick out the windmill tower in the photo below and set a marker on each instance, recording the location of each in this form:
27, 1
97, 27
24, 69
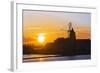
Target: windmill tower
71, 32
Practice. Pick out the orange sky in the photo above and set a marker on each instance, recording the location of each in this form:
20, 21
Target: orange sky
54, 25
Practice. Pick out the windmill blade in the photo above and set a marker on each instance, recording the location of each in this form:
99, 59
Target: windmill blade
70, 26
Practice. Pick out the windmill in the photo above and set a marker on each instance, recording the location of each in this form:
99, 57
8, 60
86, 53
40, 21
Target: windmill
71, 33
69, 29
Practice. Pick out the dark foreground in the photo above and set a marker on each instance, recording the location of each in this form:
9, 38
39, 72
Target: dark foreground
61, 49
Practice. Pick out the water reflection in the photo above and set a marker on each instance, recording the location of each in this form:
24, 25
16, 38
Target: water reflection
41, 58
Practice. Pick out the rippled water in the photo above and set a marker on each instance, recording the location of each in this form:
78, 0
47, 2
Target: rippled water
42, 58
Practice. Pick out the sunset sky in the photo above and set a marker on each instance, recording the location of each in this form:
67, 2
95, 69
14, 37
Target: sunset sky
46, 26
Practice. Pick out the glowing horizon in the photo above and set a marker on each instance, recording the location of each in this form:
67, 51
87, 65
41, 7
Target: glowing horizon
54, 25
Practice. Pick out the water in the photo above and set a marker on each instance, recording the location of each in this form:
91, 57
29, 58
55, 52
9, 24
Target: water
42, 58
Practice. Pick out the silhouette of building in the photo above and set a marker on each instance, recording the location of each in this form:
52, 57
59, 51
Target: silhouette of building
71, 32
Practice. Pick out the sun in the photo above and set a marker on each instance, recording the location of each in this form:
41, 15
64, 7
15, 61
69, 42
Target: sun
41, 38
